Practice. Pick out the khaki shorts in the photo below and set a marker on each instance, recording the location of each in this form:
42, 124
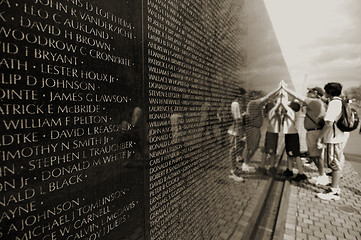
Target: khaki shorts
311, 140
334, 156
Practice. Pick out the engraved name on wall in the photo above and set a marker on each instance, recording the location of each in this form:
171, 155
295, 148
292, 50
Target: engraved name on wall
69, 85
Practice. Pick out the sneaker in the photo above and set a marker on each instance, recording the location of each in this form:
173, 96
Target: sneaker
329, 174
307, 164
330, 194
300, 177
320, 180
234, 177
287, 173
247, 168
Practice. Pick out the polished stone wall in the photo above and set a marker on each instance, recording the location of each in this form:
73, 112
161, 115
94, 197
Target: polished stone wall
114, 115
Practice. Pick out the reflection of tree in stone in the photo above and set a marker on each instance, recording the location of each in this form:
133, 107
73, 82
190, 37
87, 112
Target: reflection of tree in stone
254, 94
354, 93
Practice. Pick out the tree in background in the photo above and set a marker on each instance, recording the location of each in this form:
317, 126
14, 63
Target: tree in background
354, 93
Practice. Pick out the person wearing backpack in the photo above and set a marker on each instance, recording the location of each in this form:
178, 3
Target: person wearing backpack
332, 139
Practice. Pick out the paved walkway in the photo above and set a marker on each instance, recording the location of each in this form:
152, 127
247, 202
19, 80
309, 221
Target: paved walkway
309, 217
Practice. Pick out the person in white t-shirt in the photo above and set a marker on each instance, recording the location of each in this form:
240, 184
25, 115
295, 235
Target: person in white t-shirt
271, 139
292, 139
333, 139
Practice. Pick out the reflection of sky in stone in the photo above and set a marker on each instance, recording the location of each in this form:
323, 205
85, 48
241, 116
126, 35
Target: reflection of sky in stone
320, 39
266, 65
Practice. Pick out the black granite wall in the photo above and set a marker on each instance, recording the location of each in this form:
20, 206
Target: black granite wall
114, 116
195, 53
71, 78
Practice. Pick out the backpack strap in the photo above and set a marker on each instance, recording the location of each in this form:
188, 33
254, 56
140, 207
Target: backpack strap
342, 109
311, 119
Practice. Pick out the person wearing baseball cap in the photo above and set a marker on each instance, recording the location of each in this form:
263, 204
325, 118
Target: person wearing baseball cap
316, 90
313, 123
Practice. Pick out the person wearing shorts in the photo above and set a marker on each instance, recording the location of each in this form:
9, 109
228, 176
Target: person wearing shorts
333, 139
292, 140
315, 112
271, 139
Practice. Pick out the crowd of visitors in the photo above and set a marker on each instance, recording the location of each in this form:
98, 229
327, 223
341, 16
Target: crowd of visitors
325, 140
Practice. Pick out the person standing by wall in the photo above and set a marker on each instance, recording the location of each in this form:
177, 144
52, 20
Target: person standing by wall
333, 139
313, 123
271, 139
292, 140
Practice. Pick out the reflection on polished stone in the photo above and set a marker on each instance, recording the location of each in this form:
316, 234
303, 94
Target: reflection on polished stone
124, 119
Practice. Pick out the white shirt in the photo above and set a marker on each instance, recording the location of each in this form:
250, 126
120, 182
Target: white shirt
333, 113
289, 121
236, 112
274, 119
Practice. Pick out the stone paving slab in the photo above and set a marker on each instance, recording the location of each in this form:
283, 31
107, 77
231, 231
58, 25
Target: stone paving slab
309, 217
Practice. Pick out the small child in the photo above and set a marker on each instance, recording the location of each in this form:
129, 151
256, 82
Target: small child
271, 140
292, 140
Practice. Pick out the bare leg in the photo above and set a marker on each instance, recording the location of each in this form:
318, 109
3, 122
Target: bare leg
299, 165
290, 163
336, 176
320, 165
263, 160
232, 152
272, 159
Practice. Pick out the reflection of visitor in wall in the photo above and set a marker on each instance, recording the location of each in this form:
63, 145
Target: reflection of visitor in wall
253, 121
176, 120
236, 139
139, 136
205, 125
222, 121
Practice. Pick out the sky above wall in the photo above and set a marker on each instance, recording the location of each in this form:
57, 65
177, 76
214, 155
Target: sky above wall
266, 66
320, 40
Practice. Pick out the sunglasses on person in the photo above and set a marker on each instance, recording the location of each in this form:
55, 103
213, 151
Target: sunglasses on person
314, 92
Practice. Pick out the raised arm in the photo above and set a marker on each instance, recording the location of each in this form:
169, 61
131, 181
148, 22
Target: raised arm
270, 94
292, 93
284, 98
275, 108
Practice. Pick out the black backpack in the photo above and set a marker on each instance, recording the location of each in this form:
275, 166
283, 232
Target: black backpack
349, 119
